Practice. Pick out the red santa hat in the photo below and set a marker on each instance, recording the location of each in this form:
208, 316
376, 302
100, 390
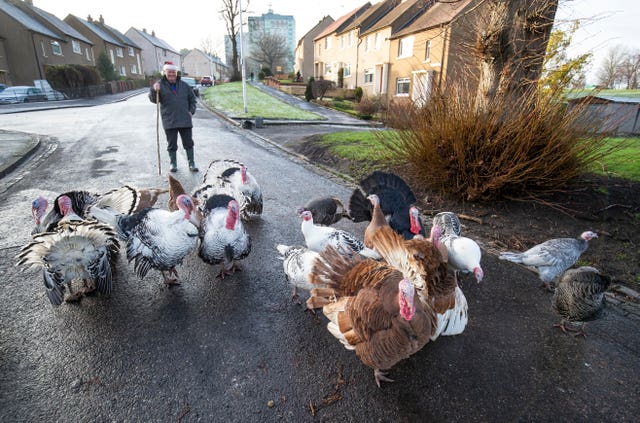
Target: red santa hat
169, 66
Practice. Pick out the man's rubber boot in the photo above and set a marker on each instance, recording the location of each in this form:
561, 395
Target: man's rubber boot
192, 164
174, 161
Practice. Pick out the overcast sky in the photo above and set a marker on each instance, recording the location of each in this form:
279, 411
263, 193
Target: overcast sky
187, 23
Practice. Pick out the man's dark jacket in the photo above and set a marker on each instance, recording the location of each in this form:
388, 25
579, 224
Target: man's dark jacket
176, 108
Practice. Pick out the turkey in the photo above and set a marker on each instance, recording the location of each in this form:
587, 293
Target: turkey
551, 258
377, 221
297, 262
424, 263
325, 210
223, 239
232, 178
579, 297
156, 238
76, 257
396, 202
371, 309
449, 223
318, 238
464, 254
125, 199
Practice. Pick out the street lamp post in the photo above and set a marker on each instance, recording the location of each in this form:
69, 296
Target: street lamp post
244, 83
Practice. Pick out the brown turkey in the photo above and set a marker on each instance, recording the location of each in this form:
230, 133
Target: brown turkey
371, 309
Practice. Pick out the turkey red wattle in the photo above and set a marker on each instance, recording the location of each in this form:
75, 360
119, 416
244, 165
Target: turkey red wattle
415, 226
405, 299
232, 216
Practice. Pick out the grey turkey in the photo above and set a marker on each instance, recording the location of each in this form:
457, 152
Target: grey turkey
232, 177
156, 238
126, 199
448, 222
76, 257
579, 297
551, 258
325, 210
223, 239
396, 201
297, 262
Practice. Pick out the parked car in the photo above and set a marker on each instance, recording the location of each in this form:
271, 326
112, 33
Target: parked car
206, 81
21, 94
55, 95
192, 83
2, 87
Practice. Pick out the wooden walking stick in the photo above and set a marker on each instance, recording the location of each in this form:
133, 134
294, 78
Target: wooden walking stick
158, 130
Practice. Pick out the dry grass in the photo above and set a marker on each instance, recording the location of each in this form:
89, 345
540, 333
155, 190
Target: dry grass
513, 149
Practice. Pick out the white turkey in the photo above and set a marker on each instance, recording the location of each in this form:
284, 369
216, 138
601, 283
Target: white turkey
448, 222
325, 210
551, 258
126, 199
318, 238
371, 309
76, 257
396, 202
156, 238
223, 239
297, 262
579, 297
231, 177
464, 255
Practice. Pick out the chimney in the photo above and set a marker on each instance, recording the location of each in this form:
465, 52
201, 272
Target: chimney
101, 20
144, 30
89, 18
153, 33
29, 2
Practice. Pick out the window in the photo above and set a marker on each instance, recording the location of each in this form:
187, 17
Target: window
134, 69
55, 48
402, 87
123, 71
75, 45
44, 52
327, 43
350, 39
378, 40
87, 53
346, 69
366, 43
327, 68
119, 52
427, 52
343, 40
405, 47
368, 76
131, 52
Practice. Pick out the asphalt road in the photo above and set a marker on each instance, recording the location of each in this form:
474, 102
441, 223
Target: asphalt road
238, 349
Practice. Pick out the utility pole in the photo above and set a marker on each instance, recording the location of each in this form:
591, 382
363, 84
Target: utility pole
244, 81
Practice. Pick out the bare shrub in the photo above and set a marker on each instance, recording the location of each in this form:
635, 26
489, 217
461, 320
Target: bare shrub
517, 147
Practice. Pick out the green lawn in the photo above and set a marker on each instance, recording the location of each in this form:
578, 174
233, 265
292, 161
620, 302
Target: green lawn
624, 162
228, 99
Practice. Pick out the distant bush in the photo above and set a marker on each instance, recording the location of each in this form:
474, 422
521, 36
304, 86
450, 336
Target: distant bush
366, 108
358, 94
308, 92
340, 77
105, 68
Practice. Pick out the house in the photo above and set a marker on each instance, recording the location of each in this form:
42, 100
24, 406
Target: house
349, 42
374, 52
125, 55
155, 51
32, 39
326, 45
613, 114
304, 48
197, 64
434, 49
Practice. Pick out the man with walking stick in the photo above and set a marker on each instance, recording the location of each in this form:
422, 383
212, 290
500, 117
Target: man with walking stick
177, 105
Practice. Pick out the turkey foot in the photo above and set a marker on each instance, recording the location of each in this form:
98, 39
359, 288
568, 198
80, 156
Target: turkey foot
379, 375
295, 296
564, 328
170, 277
548, 287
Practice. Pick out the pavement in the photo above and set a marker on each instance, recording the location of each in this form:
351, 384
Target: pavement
17, 147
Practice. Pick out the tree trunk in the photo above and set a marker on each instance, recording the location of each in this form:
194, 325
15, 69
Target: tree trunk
511, 44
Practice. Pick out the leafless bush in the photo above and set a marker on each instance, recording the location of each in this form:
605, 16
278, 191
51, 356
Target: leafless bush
514, 148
